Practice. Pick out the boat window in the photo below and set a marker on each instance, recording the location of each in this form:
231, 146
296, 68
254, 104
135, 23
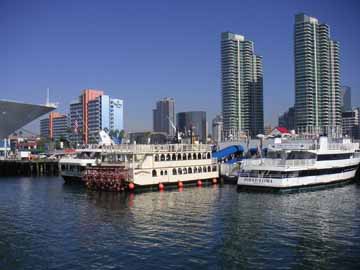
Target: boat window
275, 154
194, 156
156, 157
184, 156
162, 157
301, 155
179, 156
168, 157
189, 170
173, 157
154, 173
174, 172
333, 156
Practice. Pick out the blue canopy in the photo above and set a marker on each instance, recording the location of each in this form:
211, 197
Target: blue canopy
228, 151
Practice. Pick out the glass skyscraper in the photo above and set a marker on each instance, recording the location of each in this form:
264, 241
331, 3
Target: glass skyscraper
317, 75
242, 85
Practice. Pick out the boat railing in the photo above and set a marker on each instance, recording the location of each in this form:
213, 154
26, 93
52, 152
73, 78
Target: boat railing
148, 148
277, 162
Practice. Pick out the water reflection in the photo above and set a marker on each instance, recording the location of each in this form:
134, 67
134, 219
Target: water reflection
55, 226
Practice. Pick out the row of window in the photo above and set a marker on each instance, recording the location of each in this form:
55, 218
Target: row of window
180, 156
188, 170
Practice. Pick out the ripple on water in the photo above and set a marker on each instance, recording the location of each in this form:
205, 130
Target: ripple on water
54, 226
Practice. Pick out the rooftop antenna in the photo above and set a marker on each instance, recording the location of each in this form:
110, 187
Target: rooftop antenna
47, 97
47, 102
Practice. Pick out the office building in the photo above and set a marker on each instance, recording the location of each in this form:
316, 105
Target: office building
287, 119
350, 122
164, 116
54, 127
193, 124
242, 85
346, 98
317, 75
92, 112
217, 128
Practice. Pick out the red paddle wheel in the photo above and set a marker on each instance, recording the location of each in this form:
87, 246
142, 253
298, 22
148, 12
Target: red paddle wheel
109, 178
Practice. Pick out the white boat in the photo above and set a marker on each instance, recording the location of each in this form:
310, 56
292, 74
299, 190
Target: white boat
146, 164
72, 167
291, 165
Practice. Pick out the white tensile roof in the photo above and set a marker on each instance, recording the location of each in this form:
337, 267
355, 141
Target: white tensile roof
15, 115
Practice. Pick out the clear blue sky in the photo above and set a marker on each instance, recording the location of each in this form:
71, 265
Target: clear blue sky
141, 51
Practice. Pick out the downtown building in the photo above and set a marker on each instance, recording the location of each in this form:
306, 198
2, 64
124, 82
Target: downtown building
241, 86
317, 76
193, 124
287, 119
164, 116
346, 98
92, 112
55, 127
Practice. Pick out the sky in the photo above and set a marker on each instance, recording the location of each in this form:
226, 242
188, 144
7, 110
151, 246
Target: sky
141, 51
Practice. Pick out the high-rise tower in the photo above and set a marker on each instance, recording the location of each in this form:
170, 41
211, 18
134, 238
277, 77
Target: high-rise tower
242, 85
317, 75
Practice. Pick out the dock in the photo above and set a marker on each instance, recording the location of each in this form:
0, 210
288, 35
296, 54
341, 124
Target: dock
44, 167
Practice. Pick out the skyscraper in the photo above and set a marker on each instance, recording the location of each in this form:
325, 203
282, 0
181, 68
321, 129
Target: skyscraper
317, 75
164, 116
92, 112
346, 98
242, 85
193, 123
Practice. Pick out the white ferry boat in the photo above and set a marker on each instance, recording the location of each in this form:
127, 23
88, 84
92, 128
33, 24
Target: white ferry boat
145, 164
290, 165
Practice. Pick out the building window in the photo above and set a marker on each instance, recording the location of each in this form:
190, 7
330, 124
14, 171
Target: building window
184, 156
162, 157
194, 156
184, 171
214, 169
180, 171
174, 172
189, 156
199, 156
154, 173
208, 155
209, 169
204, 169
173, 157
161, 173
189, 170
168, 157
156, 157
195, 170
199, 170
179, 156
165, 172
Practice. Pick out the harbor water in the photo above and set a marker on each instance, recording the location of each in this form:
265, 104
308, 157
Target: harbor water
46, 224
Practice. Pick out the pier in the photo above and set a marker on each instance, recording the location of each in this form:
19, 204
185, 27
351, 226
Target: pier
29, 167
